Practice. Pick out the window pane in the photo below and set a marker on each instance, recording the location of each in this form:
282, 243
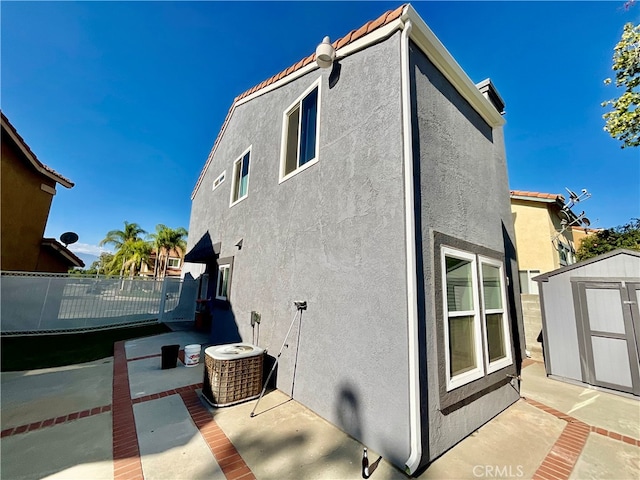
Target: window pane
461, 344
291, 159
223, 280
244, 176
459, 285
236, 183
308, 127
495, 337
492, 287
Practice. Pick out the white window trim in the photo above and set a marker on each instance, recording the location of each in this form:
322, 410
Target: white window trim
507, 360
221, 269
173, 258
478, 372
237, 164
220, 180
285, 122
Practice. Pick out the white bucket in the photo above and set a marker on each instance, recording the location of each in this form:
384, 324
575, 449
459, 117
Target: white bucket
192, 355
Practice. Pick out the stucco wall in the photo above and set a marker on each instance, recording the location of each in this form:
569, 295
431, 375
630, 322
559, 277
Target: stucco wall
332, 235
463, 193
25, 209
534, 232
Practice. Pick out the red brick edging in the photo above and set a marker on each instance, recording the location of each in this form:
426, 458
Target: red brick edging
228, 458
127, 464
561, 460
50, 422
126, 453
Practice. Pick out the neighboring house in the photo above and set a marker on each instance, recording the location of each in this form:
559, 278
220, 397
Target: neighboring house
28, 187
375, 190
543, 244
174, 265
592, 321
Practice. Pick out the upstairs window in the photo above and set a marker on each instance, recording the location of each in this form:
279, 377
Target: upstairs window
300, 133
240, 185
173, 262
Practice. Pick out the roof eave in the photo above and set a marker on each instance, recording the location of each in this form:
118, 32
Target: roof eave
63, 251
29, 155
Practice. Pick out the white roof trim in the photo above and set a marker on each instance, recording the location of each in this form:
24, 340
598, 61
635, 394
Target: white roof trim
428, 43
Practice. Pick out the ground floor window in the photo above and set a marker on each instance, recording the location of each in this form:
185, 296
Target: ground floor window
222, 285
476, 328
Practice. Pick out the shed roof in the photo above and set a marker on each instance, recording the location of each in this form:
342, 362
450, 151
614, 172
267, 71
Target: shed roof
11, 131
621, 251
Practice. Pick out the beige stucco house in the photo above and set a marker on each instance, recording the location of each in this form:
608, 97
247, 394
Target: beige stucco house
545, 241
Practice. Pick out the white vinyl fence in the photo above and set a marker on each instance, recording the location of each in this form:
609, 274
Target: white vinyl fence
36, 303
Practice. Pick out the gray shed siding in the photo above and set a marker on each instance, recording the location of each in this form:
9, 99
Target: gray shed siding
332, 235
562, 353
463, 193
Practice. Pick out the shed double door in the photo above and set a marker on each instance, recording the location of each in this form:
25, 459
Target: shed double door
609, 325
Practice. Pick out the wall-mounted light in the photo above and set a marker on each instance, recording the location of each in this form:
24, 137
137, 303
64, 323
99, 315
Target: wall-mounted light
325, 54
239, 244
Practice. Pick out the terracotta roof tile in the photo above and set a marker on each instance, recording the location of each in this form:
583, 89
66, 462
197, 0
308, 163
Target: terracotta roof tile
548, 196
384, 19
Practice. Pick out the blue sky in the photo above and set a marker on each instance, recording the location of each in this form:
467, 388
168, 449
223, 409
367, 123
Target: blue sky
126, 98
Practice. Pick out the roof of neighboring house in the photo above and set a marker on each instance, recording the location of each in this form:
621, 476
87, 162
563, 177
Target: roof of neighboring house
33, 159
63, 251
621, 251
536, 196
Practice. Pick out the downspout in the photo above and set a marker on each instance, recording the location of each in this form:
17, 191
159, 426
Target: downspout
412, 463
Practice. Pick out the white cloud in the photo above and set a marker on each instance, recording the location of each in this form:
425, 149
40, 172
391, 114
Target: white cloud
88, 249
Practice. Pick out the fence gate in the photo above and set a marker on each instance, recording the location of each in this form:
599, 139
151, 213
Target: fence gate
608, 323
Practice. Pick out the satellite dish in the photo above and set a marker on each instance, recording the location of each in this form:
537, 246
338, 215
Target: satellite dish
586, 222
68, 238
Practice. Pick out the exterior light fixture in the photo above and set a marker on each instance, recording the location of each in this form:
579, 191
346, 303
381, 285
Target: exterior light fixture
325, 54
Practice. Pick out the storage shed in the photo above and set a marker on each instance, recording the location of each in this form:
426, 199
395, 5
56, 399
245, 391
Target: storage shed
591, 321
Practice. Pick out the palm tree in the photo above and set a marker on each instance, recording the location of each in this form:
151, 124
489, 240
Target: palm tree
166, 240
123, 241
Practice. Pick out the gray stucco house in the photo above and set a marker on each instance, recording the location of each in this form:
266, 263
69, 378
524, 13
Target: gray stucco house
376, 190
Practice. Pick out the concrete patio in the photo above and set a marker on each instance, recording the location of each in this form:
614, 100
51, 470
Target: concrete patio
125, 418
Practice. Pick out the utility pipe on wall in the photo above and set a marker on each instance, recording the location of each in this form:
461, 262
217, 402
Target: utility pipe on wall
415, 455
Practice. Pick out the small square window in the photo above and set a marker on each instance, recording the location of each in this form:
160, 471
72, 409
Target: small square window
300, 133
173, 262
219, 180
222, 286
240, 187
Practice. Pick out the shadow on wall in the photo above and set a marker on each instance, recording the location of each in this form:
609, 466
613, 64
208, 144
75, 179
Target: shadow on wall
514, 299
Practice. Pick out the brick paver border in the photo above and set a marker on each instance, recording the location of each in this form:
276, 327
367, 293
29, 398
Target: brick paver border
50, 422
127, 464
562, 458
